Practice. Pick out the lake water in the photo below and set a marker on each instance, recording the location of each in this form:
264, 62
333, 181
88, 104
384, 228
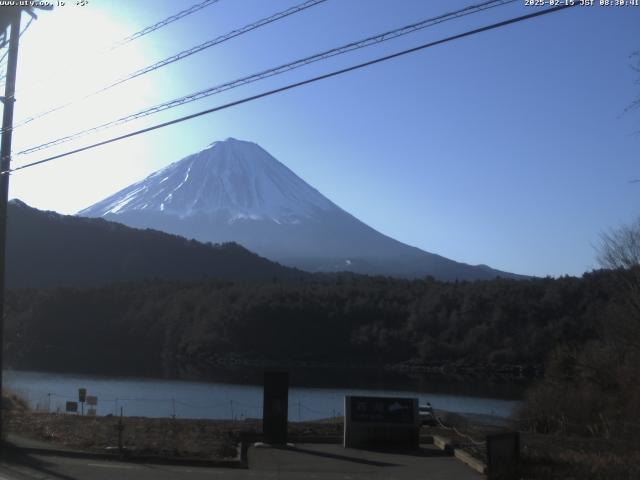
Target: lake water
216, 400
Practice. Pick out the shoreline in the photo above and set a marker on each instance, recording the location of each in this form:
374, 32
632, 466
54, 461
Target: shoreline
315, 388
511, 373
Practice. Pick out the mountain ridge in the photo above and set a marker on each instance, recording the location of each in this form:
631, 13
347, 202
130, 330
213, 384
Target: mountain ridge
46, 249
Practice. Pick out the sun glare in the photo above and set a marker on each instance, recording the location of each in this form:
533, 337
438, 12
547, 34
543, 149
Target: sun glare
64, 57
67, 58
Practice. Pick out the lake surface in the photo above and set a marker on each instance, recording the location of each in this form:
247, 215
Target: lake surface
219, 400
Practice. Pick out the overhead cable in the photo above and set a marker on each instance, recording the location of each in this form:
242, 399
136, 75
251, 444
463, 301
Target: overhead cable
272, 72
179, 56
297, 84
162, 23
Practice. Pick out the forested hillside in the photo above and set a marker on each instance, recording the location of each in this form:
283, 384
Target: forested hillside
173, 328
47, 249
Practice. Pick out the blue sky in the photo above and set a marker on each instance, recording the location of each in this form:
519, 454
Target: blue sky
508, 148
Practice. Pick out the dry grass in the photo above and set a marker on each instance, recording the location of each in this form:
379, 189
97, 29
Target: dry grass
206, 439
13, 402
557, 456
142, 436
563, 456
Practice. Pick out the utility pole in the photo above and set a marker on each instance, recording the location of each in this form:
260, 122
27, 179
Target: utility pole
5, 165
10, 17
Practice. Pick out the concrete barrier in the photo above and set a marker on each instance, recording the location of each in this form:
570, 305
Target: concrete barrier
465, 457
444, 443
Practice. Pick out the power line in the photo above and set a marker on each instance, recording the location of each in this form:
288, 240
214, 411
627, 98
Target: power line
273, 71
277, 70
162, 23
298, 84
222, 38
181, 55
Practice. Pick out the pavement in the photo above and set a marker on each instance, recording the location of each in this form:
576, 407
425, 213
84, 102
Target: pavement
313, 461
52, 467
331, 461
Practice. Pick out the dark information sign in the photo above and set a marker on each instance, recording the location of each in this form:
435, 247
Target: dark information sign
382, 410
71, 406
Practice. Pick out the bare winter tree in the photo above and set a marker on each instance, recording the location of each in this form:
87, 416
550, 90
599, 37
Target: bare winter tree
621, 248
635, 65
620, 251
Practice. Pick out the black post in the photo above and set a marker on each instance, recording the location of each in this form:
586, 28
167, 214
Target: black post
5, 165
120, 428
275, 407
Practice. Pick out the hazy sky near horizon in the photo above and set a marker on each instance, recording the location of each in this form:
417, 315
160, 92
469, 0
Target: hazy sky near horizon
509, 148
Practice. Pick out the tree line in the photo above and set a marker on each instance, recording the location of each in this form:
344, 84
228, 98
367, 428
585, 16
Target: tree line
171, 327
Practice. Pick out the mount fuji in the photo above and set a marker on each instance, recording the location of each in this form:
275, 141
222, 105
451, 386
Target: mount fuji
235, 191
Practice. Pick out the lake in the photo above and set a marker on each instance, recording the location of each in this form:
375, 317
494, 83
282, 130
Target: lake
223, 400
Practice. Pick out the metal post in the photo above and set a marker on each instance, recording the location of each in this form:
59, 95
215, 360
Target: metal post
275, 407
120, 428
5, 164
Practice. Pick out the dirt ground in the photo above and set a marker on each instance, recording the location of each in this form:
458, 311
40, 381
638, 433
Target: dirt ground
543, 456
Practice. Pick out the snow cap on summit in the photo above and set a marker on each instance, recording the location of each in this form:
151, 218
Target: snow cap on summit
232, 178
229, 140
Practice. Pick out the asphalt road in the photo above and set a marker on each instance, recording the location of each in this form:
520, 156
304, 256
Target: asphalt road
41, 467
322, 462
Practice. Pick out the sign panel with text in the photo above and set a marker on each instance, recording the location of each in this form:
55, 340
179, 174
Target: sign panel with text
381, 422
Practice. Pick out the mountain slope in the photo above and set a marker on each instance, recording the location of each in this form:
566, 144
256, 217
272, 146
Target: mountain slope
45, 249
235, 191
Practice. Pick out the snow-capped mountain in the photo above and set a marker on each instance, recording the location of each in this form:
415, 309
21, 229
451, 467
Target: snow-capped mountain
235, 191
231, 178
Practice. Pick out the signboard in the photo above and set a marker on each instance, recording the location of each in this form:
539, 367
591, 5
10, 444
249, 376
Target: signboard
503, 455
381, 422
91, 412
72, 407
92, 400
82, 394
275, 407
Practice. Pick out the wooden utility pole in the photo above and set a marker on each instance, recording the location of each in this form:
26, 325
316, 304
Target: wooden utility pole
5, 164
